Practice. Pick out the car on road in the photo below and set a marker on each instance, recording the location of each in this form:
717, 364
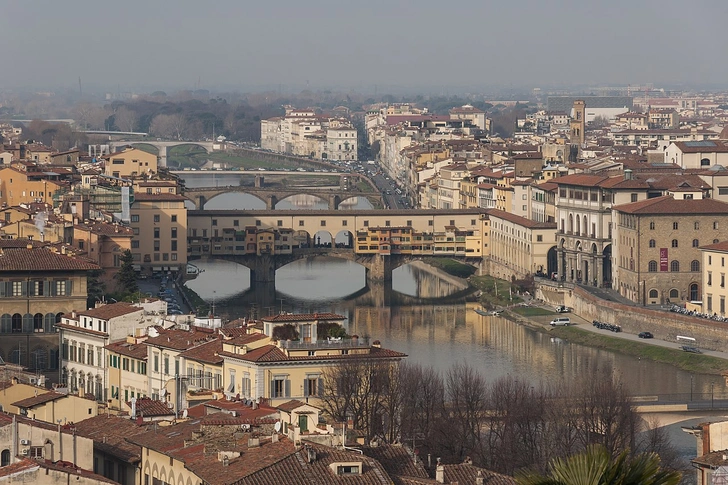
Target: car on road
560, 322
692, 350
562, 309
645, 335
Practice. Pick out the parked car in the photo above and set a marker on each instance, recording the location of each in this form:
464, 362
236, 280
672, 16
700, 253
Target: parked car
645, 335
562, 309
560, 322
693, 350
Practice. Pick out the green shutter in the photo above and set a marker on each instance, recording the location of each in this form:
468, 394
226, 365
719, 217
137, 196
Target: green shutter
69, 288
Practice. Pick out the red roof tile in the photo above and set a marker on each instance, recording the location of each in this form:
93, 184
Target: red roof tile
111, 310
122, 347
109, 433
303, 317
666, 205
208, 352
42, 259
38, 400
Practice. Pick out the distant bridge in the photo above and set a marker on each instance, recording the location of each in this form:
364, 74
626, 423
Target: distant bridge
161, 146
271, 196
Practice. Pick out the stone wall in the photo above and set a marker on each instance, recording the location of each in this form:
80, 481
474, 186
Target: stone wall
634, 319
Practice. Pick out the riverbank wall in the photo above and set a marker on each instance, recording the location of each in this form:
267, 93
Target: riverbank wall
667, 326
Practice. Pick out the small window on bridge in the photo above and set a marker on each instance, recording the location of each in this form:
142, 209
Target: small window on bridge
257, 223
300, 223
344, 223
323, 223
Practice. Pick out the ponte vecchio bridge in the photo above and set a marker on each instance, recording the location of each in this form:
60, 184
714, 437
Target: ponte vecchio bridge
379, 240
271, 196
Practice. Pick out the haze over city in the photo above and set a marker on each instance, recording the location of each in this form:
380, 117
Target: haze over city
362, 46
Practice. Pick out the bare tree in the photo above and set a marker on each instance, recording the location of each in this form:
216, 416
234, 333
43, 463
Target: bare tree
125, 119
168, 126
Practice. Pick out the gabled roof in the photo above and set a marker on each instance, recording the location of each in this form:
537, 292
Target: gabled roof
38, 400
42, 259
666, 205
109, 433
133, 350
111, 310
208, 352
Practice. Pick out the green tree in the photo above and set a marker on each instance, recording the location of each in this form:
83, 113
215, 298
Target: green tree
126, 282
595, 466
96, 288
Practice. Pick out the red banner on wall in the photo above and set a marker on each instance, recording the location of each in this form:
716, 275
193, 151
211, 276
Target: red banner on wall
663, 259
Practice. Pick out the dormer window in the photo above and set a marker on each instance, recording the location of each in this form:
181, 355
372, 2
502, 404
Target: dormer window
346, 468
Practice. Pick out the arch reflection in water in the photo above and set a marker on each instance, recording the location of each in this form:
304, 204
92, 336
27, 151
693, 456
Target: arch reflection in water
220, 279
320, 278
302, 202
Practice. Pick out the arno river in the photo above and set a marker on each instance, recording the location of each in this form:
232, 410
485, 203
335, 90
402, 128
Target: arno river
414, 315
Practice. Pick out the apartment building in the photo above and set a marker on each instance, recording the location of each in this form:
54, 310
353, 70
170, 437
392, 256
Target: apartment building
697, 154
26, 187
159, 226
713, 279
657, 256
104, 244
660, 138
127, 373
521, 246
37, 286
130, 163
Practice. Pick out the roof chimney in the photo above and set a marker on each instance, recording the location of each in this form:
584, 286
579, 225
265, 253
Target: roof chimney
480, 480
439, 472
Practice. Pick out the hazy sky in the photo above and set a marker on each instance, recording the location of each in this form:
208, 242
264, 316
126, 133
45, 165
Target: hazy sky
244, 43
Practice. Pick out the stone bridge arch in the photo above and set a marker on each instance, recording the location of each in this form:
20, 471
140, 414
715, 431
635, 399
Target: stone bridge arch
162, 147
203, 197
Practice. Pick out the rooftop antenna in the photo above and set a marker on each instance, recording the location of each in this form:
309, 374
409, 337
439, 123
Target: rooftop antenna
80, 91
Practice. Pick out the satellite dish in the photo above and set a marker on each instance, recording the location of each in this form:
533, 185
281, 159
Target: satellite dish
278, 427
184, 413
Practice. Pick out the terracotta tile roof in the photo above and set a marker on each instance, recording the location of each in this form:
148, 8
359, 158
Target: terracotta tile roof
42, 259
703, 146
303, 317
75, 328
109, 434
122, 347
289, 406
713, 459
295, 469
38, 400
208, 352
721, 246
111, 310
396, 460
521, 221
180, 339
666, 205
144, 197
466, 474
148, 407
19, 243
548, 186
271, 353
22, 465
582, 180
106, 229
247, 338
158, 183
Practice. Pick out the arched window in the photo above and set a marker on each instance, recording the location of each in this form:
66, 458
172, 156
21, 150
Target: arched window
5, 458
695, 265
696, 225
38, 322
653, 293
674, 226
6, 323
696, 243
652, 243
17, 323
715, 241
652, 267
705, 162
50, 320
652, 225
675, 266
674, 294
694, 292
674, 243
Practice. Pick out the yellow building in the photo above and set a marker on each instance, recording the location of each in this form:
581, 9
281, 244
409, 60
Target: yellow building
159, 225
18, 187
520, 246
53, 407
278, 371
127, 377
714, 278
37, 286
103, 243
130, 162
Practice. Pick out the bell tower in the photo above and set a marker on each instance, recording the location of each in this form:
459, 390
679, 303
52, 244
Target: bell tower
576, 132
